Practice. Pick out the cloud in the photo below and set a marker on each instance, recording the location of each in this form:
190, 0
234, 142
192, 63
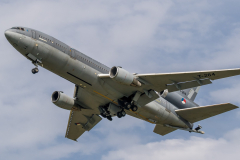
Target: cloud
194, 147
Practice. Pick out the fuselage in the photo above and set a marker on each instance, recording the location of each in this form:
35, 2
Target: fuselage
83, 71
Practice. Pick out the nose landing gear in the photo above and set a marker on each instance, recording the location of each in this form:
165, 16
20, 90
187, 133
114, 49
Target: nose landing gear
35, 63
35, 70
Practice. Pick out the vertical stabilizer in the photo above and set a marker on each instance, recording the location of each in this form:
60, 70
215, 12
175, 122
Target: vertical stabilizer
192, 93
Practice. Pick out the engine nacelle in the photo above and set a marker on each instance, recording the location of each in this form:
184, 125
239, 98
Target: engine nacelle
62, 100
123, 76
164, 93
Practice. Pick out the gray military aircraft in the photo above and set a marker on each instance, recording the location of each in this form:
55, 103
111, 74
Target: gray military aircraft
164, 99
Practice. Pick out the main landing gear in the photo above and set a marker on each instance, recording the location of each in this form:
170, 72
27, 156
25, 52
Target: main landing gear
127, 105
110, 110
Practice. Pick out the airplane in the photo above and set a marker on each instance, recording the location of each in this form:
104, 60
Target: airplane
163, 99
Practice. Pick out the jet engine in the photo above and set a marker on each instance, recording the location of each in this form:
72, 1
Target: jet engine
164, 93
123, 76
62, 100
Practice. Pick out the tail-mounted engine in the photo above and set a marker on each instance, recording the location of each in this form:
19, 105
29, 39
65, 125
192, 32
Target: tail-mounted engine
124, 77
62, 100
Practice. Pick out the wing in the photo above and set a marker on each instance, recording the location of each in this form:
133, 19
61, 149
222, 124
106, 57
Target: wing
199, 113
171, 81
162, 130
85, 116
184, 80
79, 122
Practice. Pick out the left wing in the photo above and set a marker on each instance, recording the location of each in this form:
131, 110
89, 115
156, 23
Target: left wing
171, 81
184, 80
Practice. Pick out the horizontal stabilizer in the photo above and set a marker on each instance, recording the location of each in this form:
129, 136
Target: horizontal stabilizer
162, 130
199, 113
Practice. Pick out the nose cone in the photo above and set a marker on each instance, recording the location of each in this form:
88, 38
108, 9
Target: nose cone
8, 34
11, 36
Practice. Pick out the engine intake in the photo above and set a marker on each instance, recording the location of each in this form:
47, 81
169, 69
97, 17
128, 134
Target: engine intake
164, 93
124, 77
62, 100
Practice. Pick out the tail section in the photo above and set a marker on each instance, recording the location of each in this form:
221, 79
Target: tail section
193, 115
191, 93
183, 98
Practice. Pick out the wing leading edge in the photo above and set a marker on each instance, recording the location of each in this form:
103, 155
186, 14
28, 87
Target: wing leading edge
183, 80
179, 80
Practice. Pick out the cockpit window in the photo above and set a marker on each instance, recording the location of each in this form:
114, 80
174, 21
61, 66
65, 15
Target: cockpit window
19, 28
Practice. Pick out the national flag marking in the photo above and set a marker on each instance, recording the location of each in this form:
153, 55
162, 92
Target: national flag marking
184, 101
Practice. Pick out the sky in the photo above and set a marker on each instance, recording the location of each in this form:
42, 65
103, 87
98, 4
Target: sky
153, 36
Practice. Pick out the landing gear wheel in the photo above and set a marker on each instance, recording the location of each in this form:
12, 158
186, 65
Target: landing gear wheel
134, 108
119, 114
123, 113
127, 105
109, 118
103, 115
35, 70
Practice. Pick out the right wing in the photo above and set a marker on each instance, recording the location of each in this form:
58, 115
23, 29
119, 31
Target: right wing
88, 116
79, 122
199, 113
85, 116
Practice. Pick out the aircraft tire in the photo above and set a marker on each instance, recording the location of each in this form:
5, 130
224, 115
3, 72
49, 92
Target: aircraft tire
33, 71
134, 108
103, 115
123, 113
127, 105
119, 114
36, 70
109, 118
